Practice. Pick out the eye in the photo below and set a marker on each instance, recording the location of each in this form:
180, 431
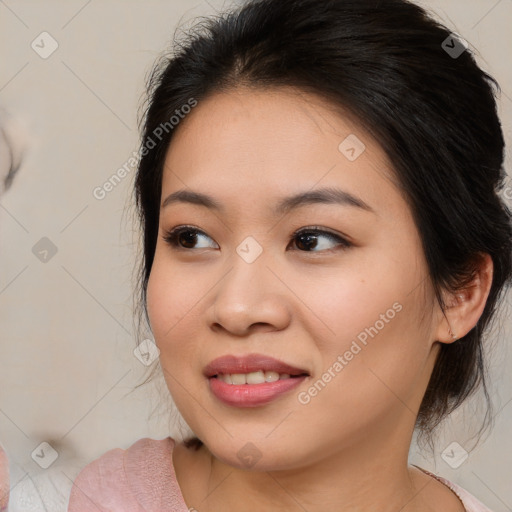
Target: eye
308, 238
185, 237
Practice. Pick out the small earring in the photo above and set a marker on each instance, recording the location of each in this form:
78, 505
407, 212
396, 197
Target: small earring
451, 334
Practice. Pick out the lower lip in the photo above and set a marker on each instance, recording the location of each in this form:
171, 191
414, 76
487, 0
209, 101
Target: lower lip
252, 395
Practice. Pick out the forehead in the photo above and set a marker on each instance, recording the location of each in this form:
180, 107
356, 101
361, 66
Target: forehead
252, 146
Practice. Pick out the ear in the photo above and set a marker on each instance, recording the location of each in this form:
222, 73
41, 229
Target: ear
464, 307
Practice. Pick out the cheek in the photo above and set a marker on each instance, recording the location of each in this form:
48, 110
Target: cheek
345, 303
173, 304
384, 353
373, 319
170, 298
156, 301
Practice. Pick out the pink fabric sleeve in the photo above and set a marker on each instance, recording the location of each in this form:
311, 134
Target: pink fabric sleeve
102, 486
470, 502
4, 480
139, 479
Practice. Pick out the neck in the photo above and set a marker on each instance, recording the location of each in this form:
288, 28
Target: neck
370, 475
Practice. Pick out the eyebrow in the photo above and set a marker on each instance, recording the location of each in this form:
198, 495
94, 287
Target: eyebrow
326, 195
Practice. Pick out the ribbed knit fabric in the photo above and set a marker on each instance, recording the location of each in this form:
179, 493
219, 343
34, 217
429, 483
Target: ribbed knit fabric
139, 479
142, 479
4, 480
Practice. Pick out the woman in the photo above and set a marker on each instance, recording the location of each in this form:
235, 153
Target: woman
324, 247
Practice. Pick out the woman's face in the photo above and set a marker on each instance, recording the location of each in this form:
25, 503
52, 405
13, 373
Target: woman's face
349, 308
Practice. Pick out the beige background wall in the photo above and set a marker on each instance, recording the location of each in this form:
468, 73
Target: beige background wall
66, 342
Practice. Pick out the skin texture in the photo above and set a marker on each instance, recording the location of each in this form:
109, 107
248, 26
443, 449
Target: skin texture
349, 445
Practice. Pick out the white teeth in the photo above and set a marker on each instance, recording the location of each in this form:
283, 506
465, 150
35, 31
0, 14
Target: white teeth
255, 377
271, 376
258, 377
238, 378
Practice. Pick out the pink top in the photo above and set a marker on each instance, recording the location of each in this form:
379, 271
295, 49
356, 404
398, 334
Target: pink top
4, 480
142, 479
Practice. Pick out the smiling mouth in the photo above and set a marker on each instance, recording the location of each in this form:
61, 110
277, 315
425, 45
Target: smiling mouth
251, 380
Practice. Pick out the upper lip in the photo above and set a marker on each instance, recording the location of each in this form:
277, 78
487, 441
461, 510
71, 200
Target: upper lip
249, 363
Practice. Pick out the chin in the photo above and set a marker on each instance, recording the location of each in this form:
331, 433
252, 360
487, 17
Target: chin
254, 453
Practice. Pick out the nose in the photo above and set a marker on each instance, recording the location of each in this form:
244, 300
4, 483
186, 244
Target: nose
250, 298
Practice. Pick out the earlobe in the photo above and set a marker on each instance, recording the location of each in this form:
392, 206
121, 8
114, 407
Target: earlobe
464, 307
452, 334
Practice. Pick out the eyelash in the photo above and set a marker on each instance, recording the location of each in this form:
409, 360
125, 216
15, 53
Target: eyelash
171, 237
